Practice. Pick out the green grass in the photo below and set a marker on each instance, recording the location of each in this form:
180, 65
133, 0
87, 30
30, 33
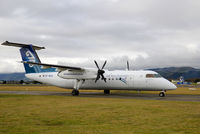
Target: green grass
37, 88
26, 114
30, 88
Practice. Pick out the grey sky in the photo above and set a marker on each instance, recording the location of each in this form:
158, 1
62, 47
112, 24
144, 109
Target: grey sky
148, 33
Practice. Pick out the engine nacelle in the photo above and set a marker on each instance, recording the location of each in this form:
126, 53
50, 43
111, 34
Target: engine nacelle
86, 74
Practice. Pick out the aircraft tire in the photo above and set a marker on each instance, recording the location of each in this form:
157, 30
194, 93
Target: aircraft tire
75, 92
106, 91
162, 94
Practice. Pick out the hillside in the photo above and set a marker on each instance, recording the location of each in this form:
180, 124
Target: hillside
176, 72
12, 76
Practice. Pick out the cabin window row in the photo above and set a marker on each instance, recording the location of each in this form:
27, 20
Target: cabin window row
45, 75
117, 78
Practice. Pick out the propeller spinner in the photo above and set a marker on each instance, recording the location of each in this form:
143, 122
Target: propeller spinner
100, 72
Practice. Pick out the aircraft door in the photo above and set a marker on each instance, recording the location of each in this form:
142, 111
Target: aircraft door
148, 82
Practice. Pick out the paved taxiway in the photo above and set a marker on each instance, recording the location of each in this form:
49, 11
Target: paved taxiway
169, 97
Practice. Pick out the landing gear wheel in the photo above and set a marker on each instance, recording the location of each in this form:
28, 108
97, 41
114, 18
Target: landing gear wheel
106, 91
162, 94
75, 92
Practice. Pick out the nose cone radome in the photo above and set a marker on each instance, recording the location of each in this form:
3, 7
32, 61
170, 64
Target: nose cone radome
171, 86
167, 85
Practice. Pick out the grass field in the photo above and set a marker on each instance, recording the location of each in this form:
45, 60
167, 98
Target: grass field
59, 114
28, 114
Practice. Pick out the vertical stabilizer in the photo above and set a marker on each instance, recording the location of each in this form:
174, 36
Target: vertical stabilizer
29, 54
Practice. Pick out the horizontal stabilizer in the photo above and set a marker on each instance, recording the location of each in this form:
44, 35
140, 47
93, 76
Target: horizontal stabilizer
6, 43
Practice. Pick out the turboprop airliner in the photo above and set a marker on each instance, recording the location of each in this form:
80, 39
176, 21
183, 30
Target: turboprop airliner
76, 78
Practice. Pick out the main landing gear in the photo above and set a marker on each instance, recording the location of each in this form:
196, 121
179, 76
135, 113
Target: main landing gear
106, 91
75, 92
77, 84
162, 94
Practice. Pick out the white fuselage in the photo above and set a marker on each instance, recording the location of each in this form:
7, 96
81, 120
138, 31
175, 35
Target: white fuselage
115, 80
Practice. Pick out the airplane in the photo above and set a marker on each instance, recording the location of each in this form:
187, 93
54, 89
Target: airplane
76, 78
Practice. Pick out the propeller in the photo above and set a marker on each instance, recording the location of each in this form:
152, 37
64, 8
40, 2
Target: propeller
128, 66
100, 72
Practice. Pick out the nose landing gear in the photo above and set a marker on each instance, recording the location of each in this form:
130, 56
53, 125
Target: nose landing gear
162, 94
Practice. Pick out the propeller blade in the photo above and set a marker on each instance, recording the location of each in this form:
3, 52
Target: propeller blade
103, 78
96, 64
98, 76
104, 64
127, 65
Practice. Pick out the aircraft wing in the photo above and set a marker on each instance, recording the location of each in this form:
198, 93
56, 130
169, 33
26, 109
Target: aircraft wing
59, 67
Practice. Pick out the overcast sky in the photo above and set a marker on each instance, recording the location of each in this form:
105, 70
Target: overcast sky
148, 33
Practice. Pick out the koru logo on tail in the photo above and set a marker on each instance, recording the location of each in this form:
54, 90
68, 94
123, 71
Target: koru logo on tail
30, 57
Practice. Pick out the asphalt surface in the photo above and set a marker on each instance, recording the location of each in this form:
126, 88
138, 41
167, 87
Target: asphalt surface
169, 97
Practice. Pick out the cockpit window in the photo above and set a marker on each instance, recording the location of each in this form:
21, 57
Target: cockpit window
153, 76
149, 75
157, 75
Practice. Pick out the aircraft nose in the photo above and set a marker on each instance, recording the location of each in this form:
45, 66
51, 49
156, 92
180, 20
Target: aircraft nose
172, 86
